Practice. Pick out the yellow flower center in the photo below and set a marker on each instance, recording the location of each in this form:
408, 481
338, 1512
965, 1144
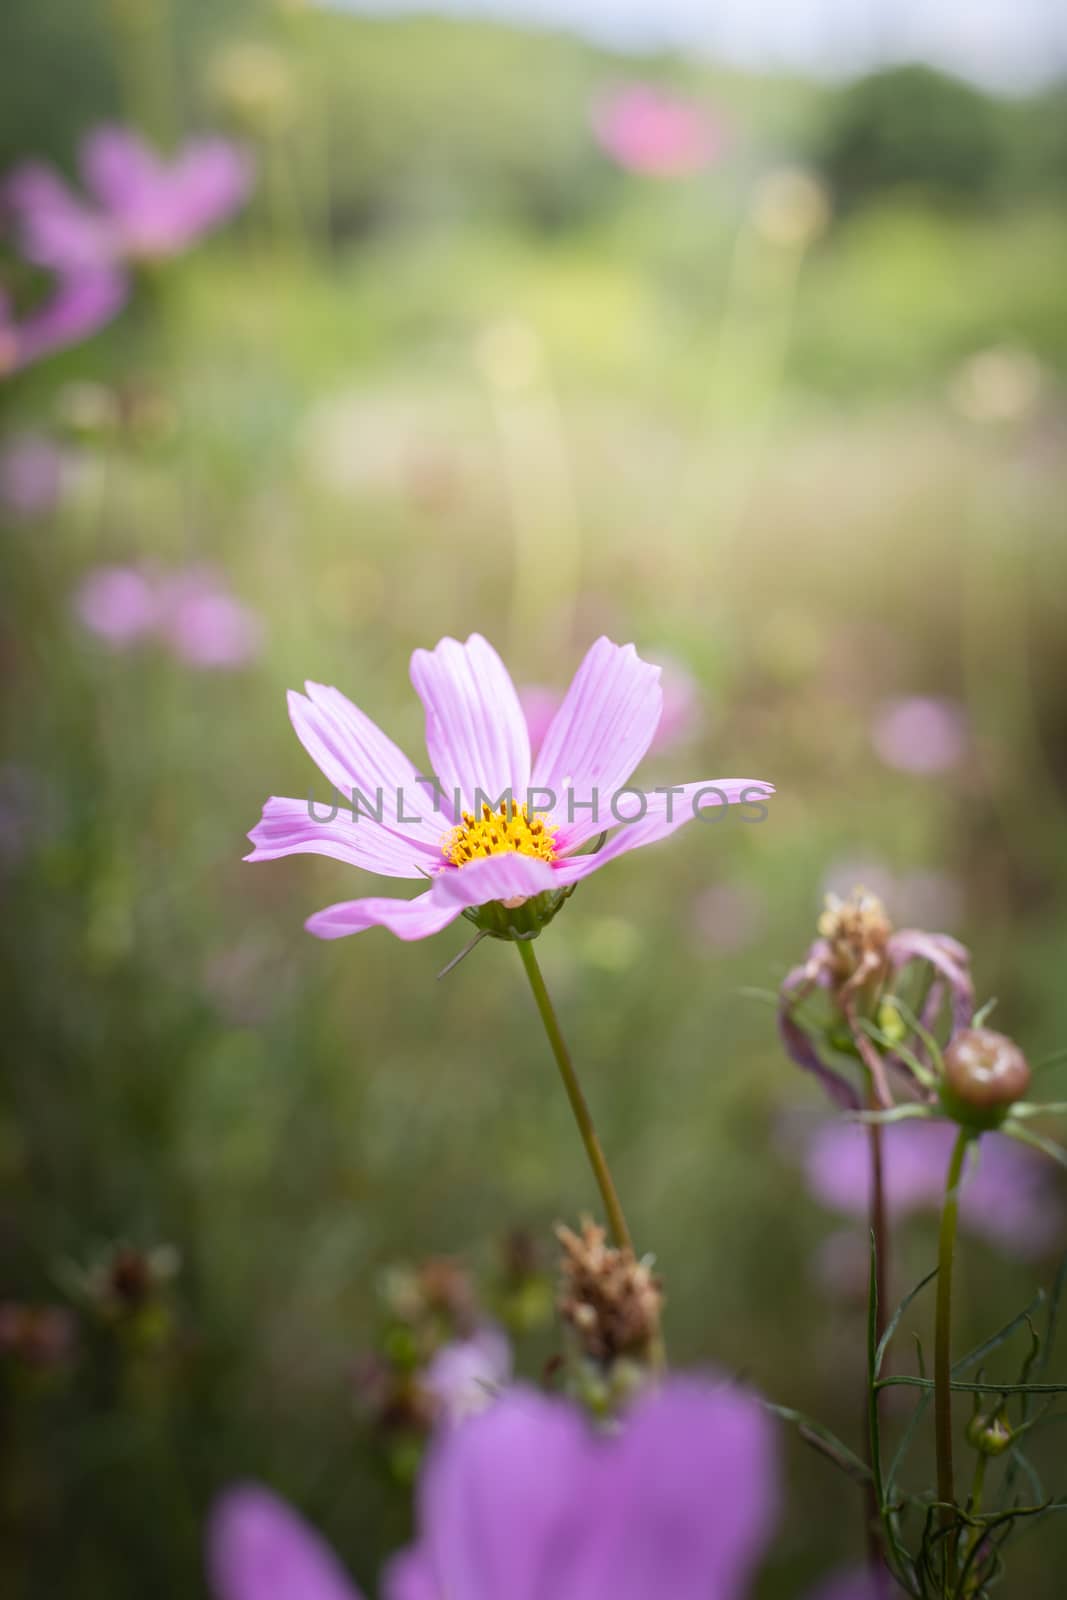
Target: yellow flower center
495, 832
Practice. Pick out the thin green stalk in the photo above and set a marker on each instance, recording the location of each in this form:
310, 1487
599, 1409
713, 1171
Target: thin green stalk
946, 1492
582, 1116
880, 1234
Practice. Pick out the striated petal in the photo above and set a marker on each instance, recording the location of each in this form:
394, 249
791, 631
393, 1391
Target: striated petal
295, 827
408, 919
476, 733
258, 1548
505, 877
663, 815
353, 753
599, 734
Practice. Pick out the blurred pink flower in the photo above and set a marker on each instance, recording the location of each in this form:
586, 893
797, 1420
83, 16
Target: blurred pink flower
205, 625
729, 916
463, 1376
662, 135
192, 612
1009, 1195
31, 474
118, 604
920, 734
140, 208
539, 706
80, 301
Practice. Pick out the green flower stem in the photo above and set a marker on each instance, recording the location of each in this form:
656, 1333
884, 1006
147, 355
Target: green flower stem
880, 1232
582, 1116
946, 1492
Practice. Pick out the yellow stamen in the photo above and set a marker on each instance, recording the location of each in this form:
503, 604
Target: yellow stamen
495, 832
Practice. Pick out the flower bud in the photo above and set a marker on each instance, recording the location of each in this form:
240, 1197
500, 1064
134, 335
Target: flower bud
991, 1436
985, 1073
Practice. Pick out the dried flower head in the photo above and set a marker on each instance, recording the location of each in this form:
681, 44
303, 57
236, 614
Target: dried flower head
612, 1301
857, 932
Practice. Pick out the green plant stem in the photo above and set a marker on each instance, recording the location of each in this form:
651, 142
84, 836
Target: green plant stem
946, 1492
880, 1232
582, 1116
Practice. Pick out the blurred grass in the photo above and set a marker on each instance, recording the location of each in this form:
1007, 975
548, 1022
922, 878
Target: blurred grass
742, 453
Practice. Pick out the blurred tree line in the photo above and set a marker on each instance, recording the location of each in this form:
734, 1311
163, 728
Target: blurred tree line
423, 118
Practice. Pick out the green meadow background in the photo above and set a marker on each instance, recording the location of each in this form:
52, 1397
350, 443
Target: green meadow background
453, 370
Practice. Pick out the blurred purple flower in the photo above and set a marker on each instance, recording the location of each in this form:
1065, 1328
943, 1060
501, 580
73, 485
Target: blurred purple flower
192, 612
1009, 1195
81, 300
118, 604
660, 135
526, 1501
920, 734
31, 474
463, 1376
140, 208
205, 625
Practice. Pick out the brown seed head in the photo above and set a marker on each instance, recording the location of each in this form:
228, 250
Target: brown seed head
857, 931
611, 1300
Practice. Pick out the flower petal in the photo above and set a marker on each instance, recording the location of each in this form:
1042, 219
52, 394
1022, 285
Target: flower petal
508, 876
409, 1576
698, 1460
408, 919
476, 733
664, 813
353, 753
302, 827
599, 734
258, 1548
118, 167
502, 1500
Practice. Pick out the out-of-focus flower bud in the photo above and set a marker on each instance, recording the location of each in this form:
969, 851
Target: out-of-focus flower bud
991, 1436
39, 1337
985, 1073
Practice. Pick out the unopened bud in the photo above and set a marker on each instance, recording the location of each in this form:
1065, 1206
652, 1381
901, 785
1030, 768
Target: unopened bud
991, 1436
985, 1073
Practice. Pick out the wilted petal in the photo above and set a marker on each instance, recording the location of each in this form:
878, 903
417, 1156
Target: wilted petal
408, 919
259, 1549
476, 733
799, 1047
949, 958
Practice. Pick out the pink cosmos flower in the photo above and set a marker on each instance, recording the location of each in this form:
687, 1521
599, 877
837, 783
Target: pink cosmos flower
192, 612
205, 625
526, 1501
79, 302
660, 135
492, 827
921, 734
1009, 1195
118, 604
140, 208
